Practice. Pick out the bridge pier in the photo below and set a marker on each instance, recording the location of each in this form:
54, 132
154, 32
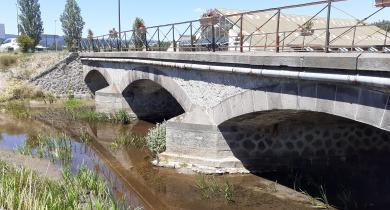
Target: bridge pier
192, 138
109, 100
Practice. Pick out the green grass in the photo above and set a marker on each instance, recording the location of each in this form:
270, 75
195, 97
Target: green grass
23, 189
128, 140
17, 108
210, 188
73, 103
76, 110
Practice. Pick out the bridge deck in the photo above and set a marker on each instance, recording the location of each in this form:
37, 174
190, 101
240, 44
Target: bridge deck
350, 61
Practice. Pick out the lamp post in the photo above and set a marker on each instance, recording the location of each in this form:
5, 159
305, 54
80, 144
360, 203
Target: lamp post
17, 16
119, 25
55, 33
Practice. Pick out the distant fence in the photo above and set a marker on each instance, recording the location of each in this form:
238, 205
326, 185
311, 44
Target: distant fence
260, 30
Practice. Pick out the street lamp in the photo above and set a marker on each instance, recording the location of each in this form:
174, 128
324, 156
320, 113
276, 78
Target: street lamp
55, 33
119, 23
17, 16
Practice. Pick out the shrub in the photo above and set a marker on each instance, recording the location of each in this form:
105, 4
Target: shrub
156, 139
26, 43
121, 117
7, 61
17, 90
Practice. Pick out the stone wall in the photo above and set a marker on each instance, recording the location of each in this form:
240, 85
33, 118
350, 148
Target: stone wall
66, 77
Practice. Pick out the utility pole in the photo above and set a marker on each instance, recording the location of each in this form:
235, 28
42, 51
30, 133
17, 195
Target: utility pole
119, 23
17, 16
55, 33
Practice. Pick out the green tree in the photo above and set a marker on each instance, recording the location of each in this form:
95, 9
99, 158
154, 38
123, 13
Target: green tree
384, 24
139, 33
72, 24
30, 20
26, 43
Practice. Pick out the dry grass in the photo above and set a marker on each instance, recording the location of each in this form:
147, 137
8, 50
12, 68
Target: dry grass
6, 61
26, 66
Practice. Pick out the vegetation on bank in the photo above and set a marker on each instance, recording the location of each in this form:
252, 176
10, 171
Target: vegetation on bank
24, 189
76, 110
210, 188
155, 140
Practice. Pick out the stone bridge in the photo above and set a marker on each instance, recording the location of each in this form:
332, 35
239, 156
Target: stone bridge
235, 111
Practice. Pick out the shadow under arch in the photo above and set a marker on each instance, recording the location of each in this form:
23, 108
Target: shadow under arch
268, 140
95, 81
151, 102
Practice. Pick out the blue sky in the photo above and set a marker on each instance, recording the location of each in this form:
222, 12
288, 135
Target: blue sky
101, 15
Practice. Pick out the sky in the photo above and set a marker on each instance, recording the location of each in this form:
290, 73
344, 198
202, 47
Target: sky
102, 15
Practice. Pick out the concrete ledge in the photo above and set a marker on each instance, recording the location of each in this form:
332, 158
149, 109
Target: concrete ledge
202, 165
346, 61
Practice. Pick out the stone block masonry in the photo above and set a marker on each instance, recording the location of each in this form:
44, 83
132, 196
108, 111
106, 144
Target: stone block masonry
65, 77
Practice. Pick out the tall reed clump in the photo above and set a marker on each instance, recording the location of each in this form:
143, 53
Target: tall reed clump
209, 188
76, 110
156, 139
128, 140
23, 189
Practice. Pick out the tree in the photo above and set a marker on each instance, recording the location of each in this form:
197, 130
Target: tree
72, 24
384, 24
139, 33
26, 43
30, 20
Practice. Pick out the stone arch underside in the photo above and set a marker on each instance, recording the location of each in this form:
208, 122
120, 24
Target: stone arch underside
95, 81
291, 123
150, 101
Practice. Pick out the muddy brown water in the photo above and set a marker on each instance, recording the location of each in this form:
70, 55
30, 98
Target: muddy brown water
355, 183
132, 177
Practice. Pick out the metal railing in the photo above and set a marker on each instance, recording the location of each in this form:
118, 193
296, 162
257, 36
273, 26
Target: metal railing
240, 32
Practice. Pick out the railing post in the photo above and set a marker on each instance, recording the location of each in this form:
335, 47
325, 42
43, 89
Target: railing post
241, 34
277, 32
266, 41
353, 38
192, 38
284, 38
126, 46
158, 38
387, 32
146, 39
213, 38
173, 38
327, 38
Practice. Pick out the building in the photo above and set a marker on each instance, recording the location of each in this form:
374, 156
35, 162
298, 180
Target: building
259, 33
2, 31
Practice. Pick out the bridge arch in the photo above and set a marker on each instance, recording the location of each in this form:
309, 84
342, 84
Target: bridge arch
355, 103
271, 127
96, 80
153, 96
155, 77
